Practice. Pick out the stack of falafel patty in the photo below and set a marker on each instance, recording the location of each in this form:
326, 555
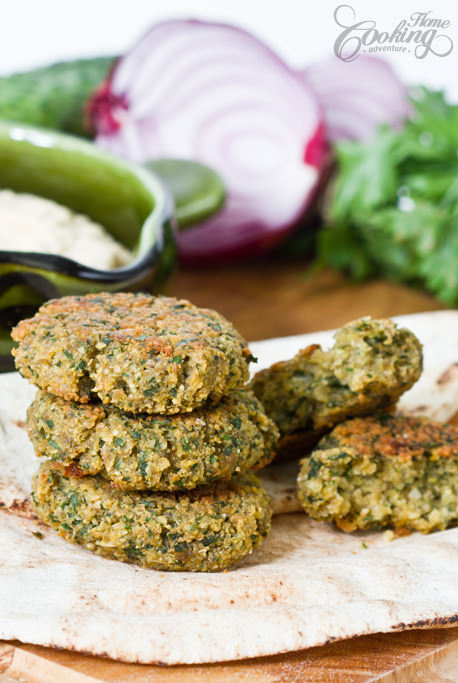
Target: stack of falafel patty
149, 433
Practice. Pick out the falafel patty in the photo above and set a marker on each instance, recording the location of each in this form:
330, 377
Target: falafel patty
370, 365
158, 452
207, 529
377, 471
135, 351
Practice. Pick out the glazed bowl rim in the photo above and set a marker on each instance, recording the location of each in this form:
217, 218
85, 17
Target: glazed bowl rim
163, 210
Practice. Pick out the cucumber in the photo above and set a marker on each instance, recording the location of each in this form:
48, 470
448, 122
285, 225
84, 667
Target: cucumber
198, 191
53, 96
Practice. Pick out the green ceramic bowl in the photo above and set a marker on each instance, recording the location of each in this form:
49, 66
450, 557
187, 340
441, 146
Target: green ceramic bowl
129, 201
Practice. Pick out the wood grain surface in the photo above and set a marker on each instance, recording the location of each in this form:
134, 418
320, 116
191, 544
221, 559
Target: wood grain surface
276, 300
271, 300
413, 657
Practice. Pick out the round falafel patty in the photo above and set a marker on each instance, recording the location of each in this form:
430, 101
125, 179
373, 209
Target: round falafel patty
370, 365
158, 452
207, 529
387, 470
137, 352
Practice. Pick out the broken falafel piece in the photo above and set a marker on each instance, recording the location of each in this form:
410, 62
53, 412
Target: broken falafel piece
372, 363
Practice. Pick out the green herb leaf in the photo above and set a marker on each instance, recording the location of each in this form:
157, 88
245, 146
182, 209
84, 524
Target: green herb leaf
393, 210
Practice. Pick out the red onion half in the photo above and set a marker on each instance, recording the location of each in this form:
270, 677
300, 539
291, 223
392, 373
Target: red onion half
216, 94
357, 96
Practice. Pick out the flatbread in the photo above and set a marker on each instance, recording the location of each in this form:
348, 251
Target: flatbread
17, 458
309, 584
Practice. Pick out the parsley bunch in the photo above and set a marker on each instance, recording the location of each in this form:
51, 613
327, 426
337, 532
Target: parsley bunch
393, 208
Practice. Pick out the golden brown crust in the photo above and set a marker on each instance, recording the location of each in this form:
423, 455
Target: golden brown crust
162, 453
387, 470
391, 436
137, 352
206, 529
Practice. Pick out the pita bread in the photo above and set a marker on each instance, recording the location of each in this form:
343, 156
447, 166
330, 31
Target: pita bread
309, 584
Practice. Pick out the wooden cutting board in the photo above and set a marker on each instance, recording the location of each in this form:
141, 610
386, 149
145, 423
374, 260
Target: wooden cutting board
413, 657
271, 300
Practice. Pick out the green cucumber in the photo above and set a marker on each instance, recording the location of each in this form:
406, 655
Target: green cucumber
198, 191
53, 96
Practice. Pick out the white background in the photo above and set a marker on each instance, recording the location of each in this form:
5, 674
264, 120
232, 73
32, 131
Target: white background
35, 32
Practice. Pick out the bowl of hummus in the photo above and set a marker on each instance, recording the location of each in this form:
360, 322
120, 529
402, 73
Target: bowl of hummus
75, 220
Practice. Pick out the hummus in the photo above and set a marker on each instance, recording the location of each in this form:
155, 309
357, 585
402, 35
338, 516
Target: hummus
33, 224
